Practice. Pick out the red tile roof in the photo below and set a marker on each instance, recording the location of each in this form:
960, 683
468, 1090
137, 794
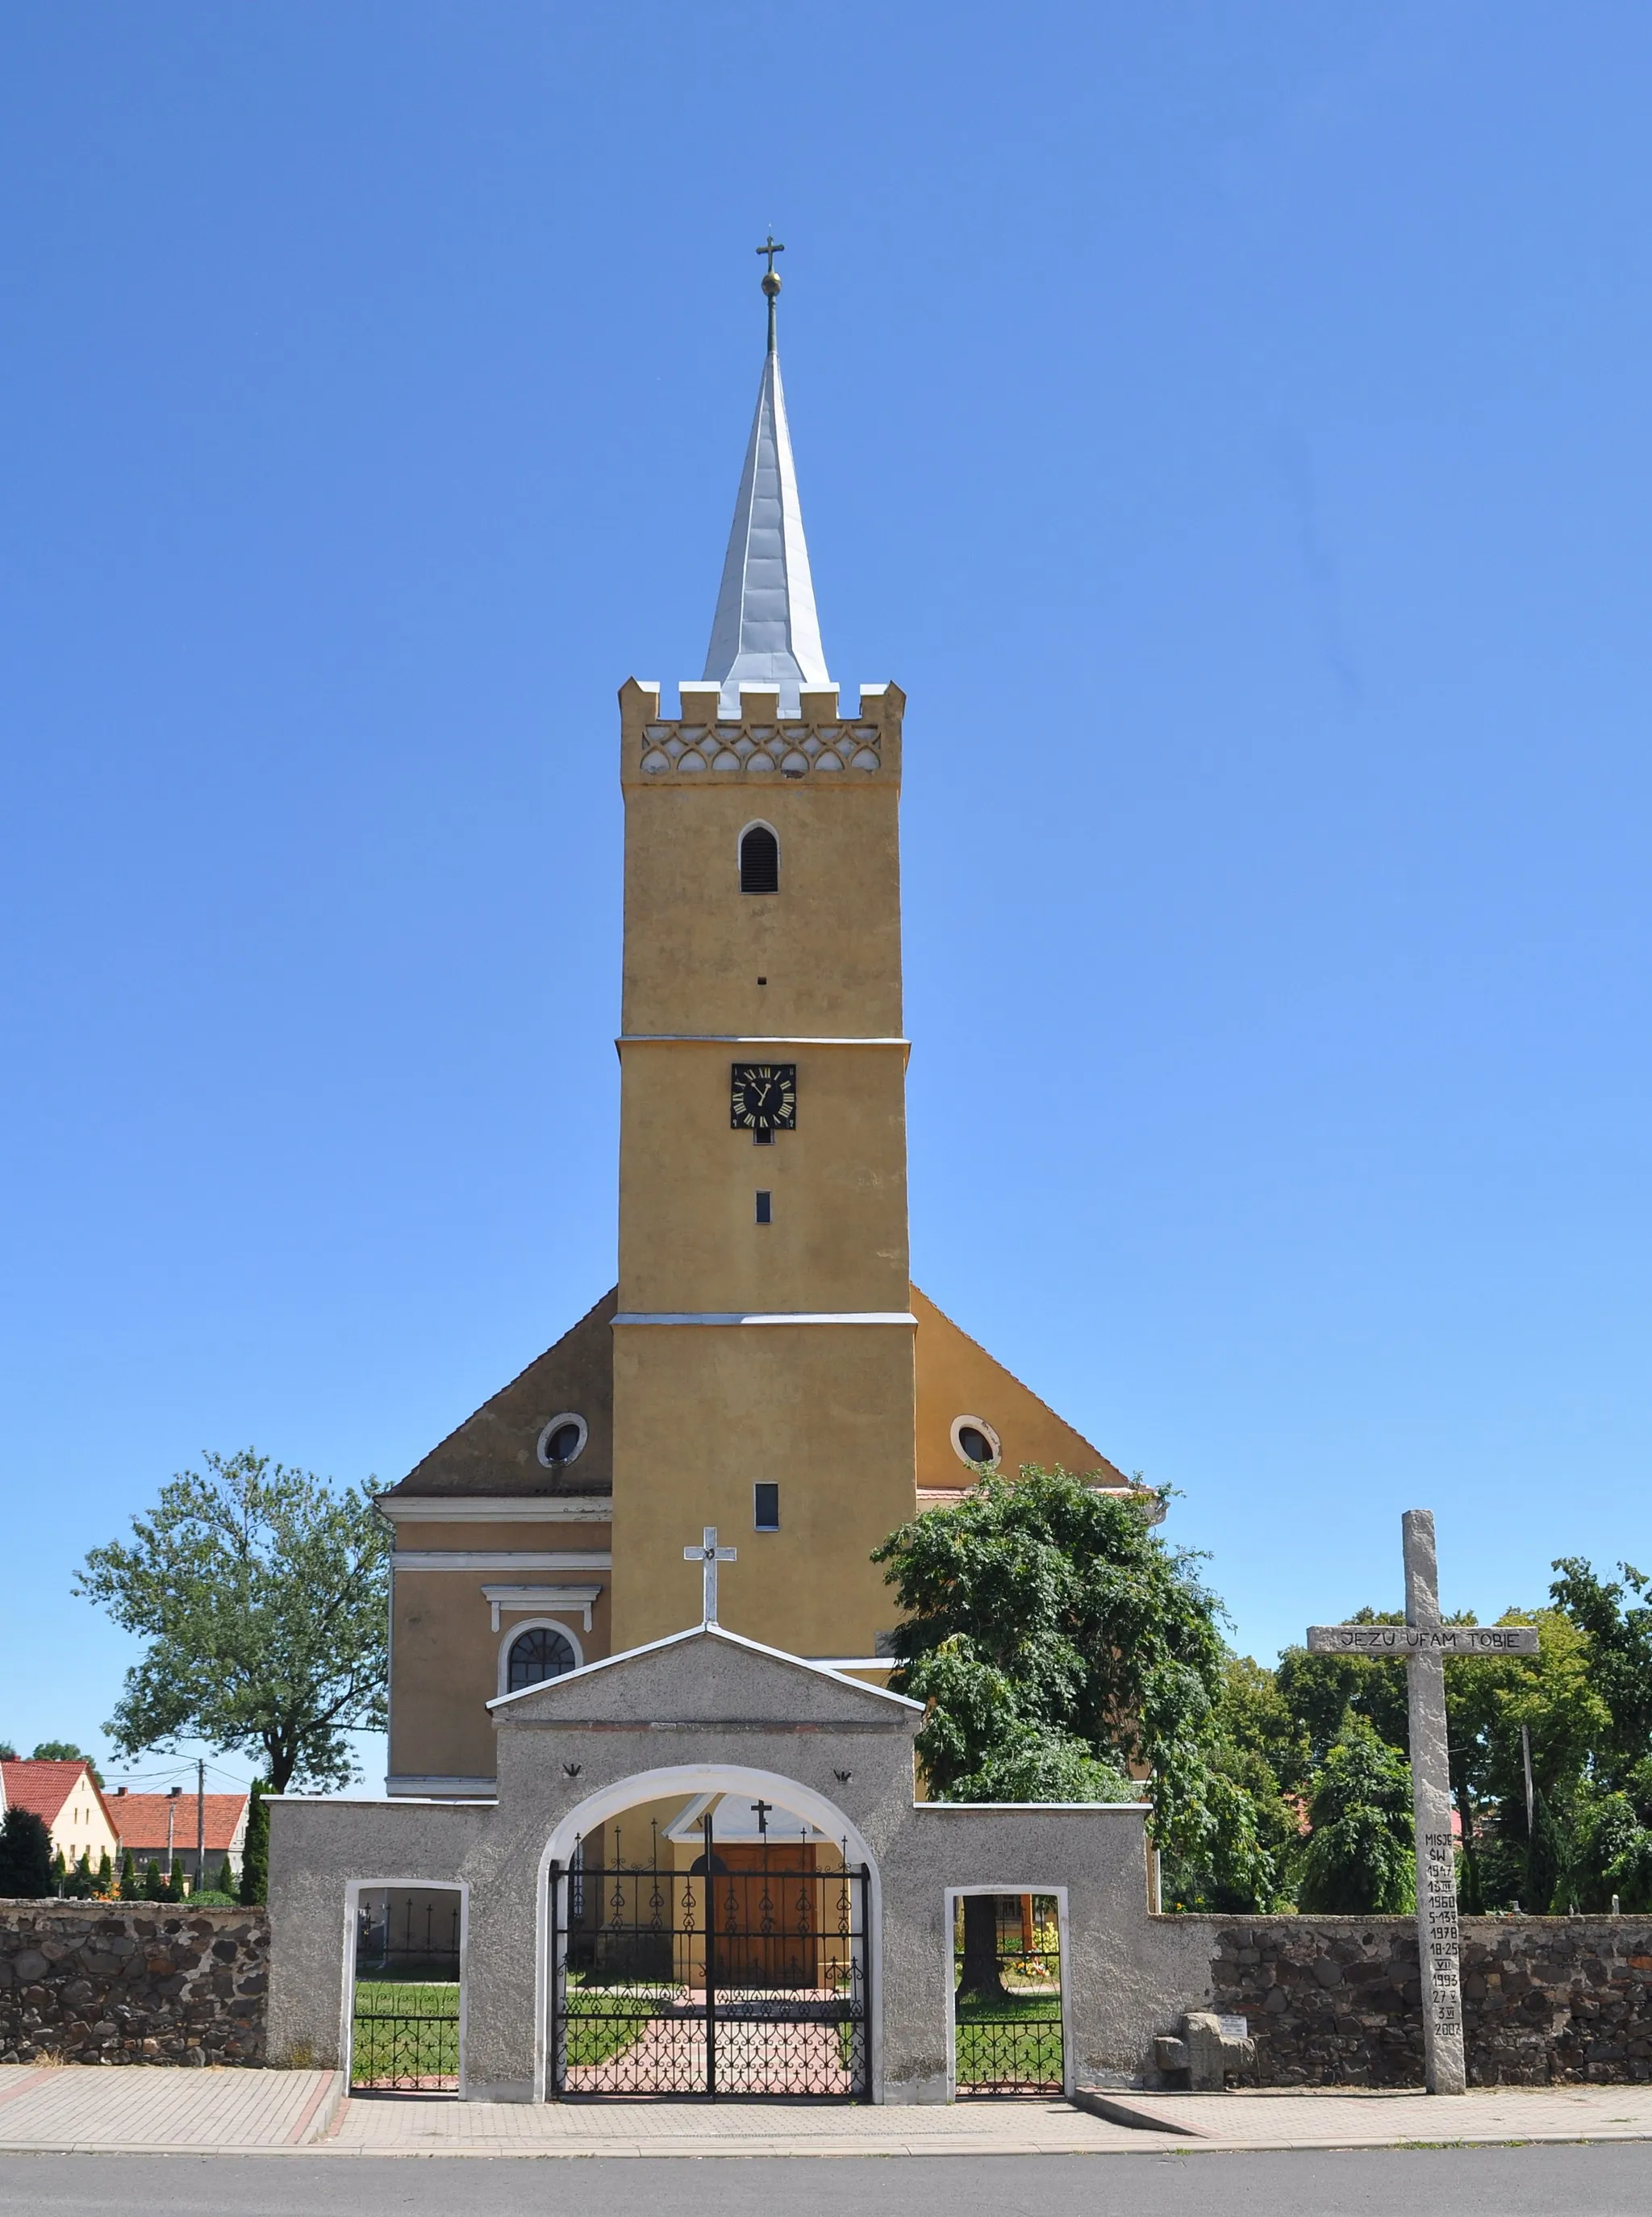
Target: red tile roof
42, 1787
140, 1821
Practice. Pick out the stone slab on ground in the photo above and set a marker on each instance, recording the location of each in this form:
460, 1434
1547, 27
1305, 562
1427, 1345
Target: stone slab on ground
140, 2109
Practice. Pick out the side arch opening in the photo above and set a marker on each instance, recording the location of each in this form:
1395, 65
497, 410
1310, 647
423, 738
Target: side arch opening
760, 858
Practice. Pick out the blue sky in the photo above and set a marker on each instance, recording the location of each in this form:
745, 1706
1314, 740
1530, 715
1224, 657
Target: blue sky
1230, 427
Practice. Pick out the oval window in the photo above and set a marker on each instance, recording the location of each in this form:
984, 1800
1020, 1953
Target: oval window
975, 1442
563, 1441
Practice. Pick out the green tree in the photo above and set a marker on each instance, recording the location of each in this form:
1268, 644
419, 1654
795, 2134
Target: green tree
1319, 1693
1610, 1852
255, 1855
224, 1882
26, 1873
1258, 1745
130, 1890
154, 1884
103, 1881
8, 1752
1048, 1628
1620, 1670
1359, 1859
65, 1750
1488, 1700
261, 1592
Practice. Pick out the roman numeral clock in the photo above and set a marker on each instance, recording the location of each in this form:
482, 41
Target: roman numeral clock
763, 1099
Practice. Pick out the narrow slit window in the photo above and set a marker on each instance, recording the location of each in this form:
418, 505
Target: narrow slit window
765, 1211
760, 861
766, 1507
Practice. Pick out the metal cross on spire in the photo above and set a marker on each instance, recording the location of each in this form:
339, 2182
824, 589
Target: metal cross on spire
771, 283
709, 1555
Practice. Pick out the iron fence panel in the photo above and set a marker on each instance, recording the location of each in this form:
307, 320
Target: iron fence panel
1007, 2004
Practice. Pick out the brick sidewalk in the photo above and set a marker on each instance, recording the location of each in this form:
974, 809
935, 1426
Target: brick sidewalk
153, 2111
1333, 2119
134, 2110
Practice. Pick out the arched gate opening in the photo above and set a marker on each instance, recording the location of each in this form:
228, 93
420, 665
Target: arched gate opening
709, 1933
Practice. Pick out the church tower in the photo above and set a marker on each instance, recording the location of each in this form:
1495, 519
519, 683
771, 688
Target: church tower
765, 1363
763, 1344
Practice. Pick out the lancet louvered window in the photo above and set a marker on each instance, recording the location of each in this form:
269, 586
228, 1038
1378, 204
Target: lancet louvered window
760, 861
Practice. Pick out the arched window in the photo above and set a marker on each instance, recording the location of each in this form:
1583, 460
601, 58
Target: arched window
759, 859
541, 1653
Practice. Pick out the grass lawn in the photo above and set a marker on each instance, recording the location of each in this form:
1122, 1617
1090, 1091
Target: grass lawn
404, 2030
1010, 2043
598, 2021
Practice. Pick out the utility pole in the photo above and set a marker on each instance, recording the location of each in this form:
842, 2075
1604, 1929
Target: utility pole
201, 1823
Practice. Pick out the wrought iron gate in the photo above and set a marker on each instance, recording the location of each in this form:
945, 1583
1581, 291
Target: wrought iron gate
1007, 2004
404, 2030
746, 1975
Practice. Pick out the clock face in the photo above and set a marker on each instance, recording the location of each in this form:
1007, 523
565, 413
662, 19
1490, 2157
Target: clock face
763, 1096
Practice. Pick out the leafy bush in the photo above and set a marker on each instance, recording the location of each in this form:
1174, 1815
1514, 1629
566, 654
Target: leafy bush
1359, 1858
25, 1856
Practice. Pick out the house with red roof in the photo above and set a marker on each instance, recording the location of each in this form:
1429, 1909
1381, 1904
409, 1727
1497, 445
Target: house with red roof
163, 1828
69, 1801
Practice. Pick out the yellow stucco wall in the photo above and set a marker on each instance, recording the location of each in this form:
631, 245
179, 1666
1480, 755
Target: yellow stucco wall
825, 1409
956, 1377
445, 1655
688, 1234
829, 942
702, 1413
850, 1419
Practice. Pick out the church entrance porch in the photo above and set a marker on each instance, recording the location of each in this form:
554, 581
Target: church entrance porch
739, 1970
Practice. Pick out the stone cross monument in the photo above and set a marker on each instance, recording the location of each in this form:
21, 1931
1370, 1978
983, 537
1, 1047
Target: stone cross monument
1422, 1643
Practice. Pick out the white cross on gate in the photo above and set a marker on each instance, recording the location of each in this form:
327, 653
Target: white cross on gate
1422, 1643
709, 1554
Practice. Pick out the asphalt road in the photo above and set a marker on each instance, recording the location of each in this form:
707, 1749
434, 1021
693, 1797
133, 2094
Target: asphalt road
1602, 2181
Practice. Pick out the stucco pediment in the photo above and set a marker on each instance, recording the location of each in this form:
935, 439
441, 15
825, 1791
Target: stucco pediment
712, 1677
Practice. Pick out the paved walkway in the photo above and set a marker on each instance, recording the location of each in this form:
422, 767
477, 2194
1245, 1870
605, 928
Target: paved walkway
382, 2126
1268, 2119
135, 2111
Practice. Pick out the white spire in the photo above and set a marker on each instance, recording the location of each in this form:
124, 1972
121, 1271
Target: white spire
766, 630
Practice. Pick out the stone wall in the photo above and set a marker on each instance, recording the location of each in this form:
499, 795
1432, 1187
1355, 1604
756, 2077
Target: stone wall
132, 1982
1337, 2000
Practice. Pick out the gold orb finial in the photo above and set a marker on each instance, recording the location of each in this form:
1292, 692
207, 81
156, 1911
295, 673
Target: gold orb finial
771, 283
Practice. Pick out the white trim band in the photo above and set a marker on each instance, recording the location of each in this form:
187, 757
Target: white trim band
500, 1558
744, 1039
497, 1509
516, 1601
782, 1316
424, 1786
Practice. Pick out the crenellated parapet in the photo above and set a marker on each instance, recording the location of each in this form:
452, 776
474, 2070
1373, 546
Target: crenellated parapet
824, 740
